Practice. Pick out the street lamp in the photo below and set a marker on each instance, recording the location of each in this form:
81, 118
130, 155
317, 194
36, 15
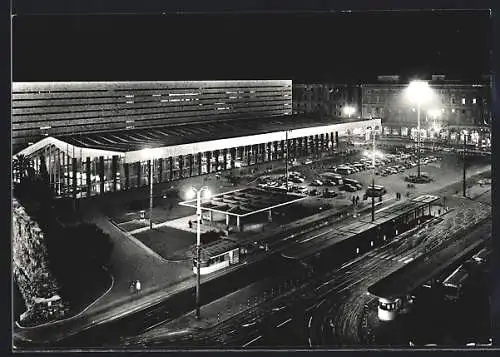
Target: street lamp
286, 160
349, 110
373, 172
190, 194
420, 93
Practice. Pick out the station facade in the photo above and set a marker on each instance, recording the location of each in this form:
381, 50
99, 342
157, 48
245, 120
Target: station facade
89, 170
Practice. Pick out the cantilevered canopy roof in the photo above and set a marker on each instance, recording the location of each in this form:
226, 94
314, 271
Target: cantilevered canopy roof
159, 142
246, 202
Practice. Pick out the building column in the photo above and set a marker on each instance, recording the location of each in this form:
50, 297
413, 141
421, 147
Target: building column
199, 161
249, 155
336, 139
74, 183
170, 168
306, 145
238, 223
160, 170
190, 160
139, 173
227, 221
101, 173
269, 216
89, 183
275, 155
322, 142
233, 156
208, 155
269, 154
114, 167
216, 154
211, 215
127, 176
66, 169
180, 158
224, 162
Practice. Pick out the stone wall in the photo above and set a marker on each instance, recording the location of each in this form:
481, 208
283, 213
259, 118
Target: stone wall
38, 287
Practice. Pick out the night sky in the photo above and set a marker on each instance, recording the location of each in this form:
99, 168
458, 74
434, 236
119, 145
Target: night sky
302, 47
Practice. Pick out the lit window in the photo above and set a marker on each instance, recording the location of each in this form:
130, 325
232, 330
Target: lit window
474, 101
453, 110
463, 100
129, 102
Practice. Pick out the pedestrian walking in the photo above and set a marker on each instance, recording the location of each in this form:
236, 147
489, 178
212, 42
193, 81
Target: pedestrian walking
137, 286
190, 223
131, 286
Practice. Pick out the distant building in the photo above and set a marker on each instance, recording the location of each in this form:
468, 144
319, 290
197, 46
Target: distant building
326, 99
458, 106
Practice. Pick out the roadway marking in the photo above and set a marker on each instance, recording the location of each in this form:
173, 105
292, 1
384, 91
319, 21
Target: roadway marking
252, 341
316, 236
310, 321
284, 322
310, 343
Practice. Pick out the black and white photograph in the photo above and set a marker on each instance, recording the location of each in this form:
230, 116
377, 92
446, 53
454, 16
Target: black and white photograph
283, 180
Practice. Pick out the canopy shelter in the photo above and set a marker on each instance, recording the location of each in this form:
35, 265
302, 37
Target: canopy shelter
244, 203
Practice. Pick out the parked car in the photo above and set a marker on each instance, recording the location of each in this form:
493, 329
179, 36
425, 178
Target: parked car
303, 189
354, 183
349, 188
296, 179
316, 183
329, 194
375, 191
344, 170
328, 182
313, 192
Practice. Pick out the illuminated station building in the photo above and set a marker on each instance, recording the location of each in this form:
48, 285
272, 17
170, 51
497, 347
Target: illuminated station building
98, 137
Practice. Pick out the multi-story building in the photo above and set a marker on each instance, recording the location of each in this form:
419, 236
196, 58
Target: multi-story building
455, 107
60, 108
326, 99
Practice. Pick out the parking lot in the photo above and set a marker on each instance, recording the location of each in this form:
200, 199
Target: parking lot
395, 171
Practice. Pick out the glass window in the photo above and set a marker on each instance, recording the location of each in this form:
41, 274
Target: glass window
463, 101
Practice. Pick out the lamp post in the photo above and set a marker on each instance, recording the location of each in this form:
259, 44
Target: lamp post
286, 159
464, 184
151, 168
198, 193
419, 92
373, 172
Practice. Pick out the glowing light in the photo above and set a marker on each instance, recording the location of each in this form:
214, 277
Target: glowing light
190, 194
349, 110
419, 92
